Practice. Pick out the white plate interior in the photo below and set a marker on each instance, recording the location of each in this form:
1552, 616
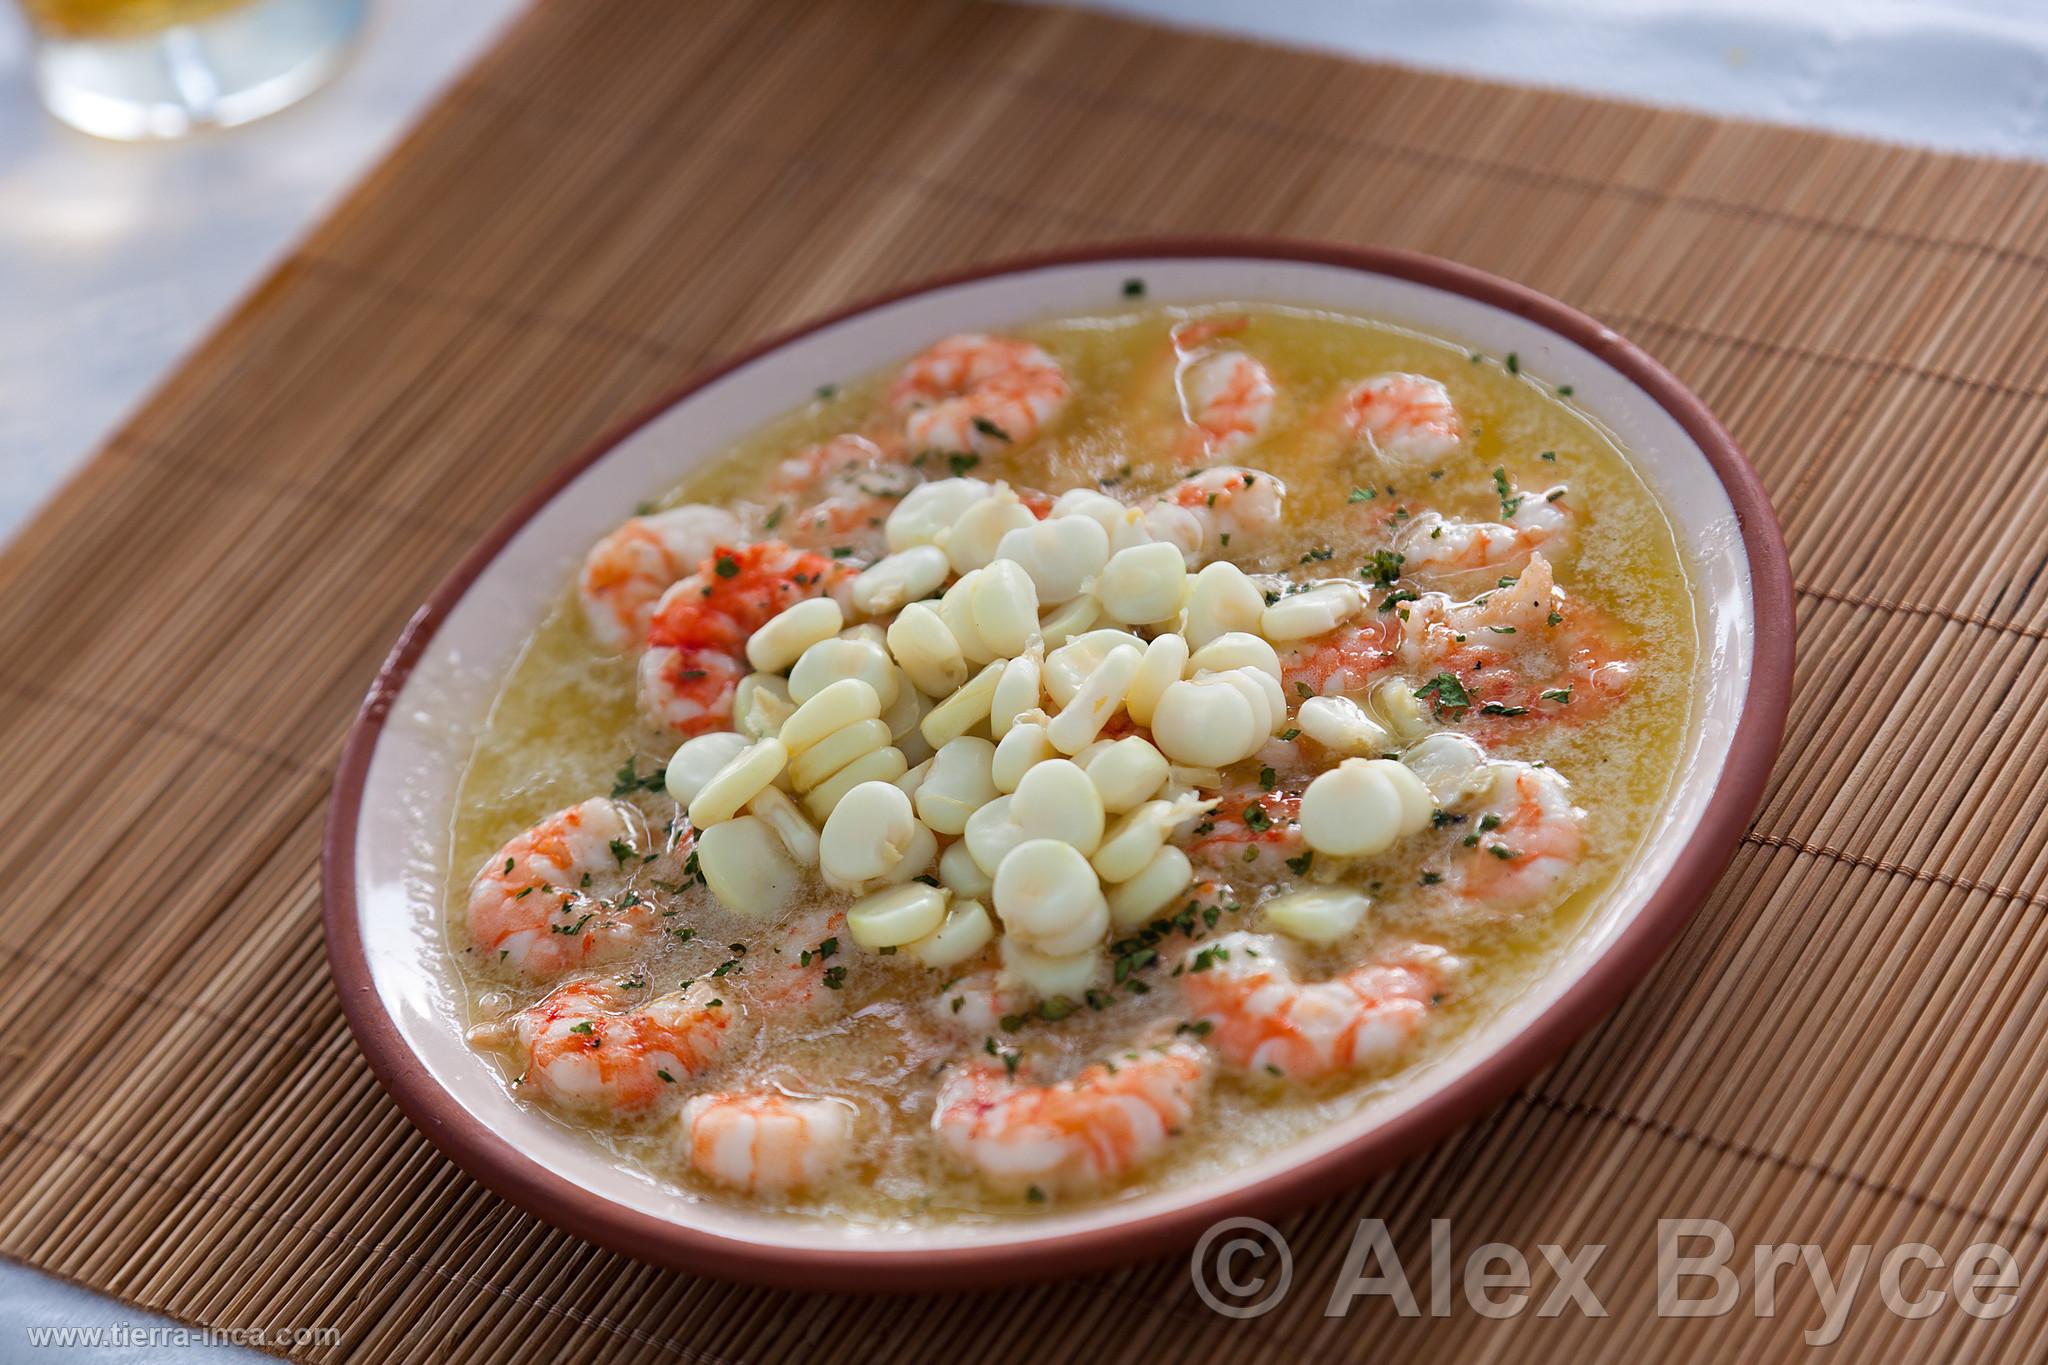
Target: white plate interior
401, 845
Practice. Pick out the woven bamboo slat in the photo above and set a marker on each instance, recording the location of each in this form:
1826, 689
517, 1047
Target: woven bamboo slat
1843, 1048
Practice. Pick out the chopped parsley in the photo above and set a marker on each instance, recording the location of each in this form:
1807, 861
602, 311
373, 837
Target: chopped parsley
1509, 499
991, 430
960, 462
1134, 288
1445, 693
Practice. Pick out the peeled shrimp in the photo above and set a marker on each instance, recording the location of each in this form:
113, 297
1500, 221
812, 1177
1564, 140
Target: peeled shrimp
1407, 418
1218, 512
1529, 836
1431, 543
974, 1006
1263, 1020
802, 976
625, 573
529, 907
841, 492
588, 1051
697, 640
1225, 395
978, 394
766, 1142
1075, 1135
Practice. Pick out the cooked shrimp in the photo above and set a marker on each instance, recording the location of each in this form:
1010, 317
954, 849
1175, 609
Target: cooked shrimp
1407, 418
625, 573
1344, 662
697, 639
1217, 512
1261, 1019
1523, 839
1249, 831
587, 1050
530, 907
978, 394
1223, 395
1075, 1135
974, 1006
1431, 543
803, 974
766, 1141
840, 493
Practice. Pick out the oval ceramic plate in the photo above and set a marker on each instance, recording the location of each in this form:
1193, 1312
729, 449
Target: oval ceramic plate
387, 833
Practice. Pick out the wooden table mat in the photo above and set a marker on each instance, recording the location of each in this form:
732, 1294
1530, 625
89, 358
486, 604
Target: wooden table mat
1844, 1048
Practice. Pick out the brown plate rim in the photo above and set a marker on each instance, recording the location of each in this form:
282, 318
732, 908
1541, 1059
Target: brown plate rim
1699, 865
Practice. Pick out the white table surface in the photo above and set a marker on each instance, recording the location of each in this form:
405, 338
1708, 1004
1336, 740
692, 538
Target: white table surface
114, 260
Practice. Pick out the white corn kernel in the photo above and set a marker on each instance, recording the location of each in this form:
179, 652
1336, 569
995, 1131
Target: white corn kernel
961, 874
1048, 897
965, 709
1060, 554
745, 866
1417, 804
1143, 584
1125, 773
1236, 649
903, 714
1158, 885
970, 542
918, 856
839, 658
912, 780
1171, 524
1264, 690
1017, 691
1057, 801
991, 834
1069, 665
890, 919
697, 760
1048, 977
1098, 701
1025, 744
1208, 724
1223, 600
958, 784
1351, 811
791, 631
1165, 661
1132, 842
835, 751
761, 704
966, 931
832, 709
927, 650
881, 765
1062, 624
1340, 725
929, 509
1005, 608
739, 781
956, 609
780, 814
1320, 915
866, 834
900, 578
1318, 611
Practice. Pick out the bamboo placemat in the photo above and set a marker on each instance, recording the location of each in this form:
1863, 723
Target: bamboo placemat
1843, 1049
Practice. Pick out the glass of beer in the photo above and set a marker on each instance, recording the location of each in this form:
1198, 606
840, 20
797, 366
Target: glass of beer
135, 69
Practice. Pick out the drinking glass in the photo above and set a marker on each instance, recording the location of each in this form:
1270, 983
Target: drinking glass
135, 69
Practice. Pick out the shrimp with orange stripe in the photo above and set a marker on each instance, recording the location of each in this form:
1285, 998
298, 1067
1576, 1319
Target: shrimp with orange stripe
531, 908
766, 1141
588, 1049
1264, 1021
978, 394
696, 642
1072, 1136
627, 571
